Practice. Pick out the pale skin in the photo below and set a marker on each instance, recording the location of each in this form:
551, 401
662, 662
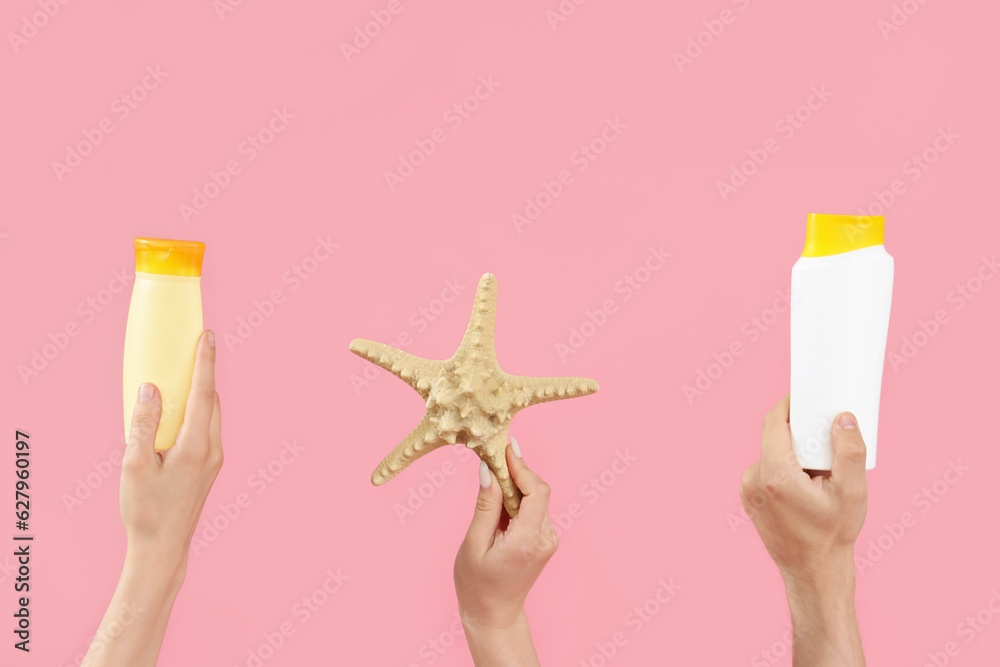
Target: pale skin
809, 523
161, 498
497, 565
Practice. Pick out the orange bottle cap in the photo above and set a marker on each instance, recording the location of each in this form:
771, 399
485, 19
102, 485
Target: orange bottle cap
169, 257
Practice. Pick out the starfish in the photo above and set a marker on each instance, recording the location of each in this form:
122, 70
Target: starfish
469, 399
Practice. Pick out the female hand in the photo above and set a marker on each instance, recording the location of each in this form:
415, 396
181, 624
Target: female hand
161, 498
162, 492
497, 565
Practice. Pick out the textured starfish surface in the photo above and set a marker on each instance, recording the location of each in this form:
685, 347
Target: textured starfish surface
469, 399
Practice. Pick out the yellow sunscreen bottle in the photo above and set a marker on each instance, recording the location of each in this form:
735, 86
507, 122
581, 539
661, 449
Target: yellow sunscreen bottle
164, 324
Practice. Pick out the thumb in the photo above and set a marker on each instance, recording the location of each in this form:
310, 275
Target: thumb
486, 518
145, 421
849, 455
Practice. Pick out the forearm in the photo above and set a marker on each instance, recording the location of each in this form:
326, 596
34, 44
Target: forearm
501, 647
824, 623
133, 628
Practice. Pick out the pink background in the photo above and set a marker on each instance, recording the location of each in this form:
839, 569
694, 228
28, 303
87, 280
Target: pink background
674, 514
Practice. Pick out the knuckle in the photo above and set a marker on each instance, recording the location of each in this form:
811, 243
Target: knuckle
856, 452
216, 459
773, 417
144, 422
776, 491
544, 490
189, 453
539, 547
551, 541
205, 393
754, 503
131, 464
748, 483
205, 454
854, 493
484, 504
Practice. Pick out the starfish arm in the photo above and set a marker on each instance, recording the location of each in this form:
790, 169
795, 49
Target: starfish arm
421, 440
533, 390
494, 453
479, 335
413, 370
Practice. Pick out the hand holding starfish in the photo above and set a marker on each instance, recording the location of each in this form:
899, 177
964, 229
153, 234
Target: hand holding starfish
497, 565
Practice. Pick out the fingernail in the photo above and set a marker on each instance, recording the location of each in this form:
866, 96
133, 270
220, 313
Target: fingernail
516, 447
211, 339
847, 421
145, 392
484, 475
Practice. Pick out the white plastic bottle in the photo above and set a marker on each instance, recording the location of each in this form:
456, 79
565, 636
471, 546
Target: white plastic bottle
840, 300
164, 324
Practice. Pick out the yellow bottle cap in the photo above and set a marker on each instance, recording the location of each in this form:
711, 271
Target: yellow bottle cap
169, 257
835, 234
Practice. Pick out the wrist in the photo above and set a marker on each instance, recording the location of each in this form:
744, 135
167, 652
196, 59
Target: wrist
494, 625
830, 579
159, 569
500, 644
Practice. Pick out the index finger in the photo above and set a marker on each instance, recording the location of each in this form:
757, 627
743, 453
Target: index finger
776, 438
201, 398
535, 503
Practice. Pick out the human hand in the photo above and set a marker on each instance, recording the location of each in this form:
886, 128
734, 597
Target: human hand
161, 498
497, 565
809, 523
162, 492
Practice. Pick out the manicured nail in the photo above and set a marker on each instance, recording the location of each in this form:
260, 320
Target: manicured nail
516, 447
145, 392
211, 339
484, 475
848, 422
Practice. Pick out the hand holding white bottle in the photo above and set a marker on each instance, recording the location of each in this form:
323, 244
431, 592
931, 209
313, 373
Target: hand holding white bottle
841, 296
